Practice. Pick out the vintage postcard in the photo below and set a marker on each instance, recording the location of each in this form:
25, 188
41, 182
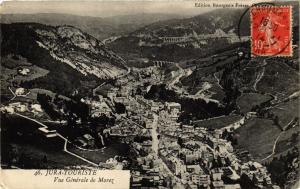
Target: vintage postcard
185, 94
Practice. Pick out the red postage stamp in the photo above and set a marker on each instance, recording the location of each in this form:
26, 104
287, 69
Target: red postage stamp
271, 30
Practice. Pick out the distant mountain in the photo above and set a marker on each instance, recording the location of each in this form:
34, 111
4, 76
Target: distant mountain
148, 42
224, 19
193, 35
101, 28
227, 19
70, 55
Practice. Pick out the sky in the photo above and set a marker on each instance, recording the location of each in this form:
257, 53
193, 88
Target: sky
106, 8
102, 8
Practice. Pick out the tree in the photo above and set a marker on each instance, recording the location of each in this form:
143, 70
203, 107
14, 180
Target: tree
276, 120
56, 98
120, 108
225, 134
46, 105
81, 109
99, 123
228, 162
219, 161
246, 182
294, 137
278, 171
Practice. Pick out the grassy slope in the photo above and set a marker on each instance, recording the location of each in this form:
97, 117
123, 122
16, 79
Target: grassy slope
258, 136
279, 79
102, 155
218, 123
248, 100
286, 111
20, 40
55, 159
286, 142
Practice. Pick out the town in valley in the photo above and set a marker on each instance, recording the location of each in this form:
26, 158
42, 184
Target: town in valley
178, 100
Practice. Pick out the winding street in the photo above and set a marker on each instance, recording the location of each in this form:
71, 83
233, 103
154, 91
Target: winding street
274, 147
178, 90
104, 83
218, 81
155, 147
259, 77
154, 134
14, 94
175, 80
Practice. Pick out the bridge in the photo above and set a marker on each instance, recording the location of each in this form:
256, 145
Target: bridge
161, 63
175, 39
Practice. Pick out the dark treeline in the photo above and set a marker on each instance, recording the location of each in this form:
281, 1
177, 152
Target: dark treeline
192, 109
78, 117
280, 168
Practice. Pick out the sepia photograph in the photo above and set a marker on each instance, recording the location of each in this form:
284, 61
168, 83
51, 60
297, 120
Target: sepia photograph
190, 94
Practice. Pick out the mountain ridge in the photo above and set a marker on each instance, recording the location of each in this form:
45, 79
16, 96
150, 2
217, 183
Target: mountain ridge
70, 55
99, 27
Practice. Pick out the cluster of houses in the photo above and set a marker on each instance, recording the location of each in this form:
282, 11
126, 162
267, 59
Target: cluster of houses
187, 157
19, 107
202, 158
85, 141
98, 107
23, 71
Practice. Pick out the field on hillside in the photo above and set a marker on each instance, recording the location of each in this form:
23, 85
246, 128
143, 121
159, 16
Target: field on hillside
286, 111
35, 91
257, 136
249, 74
207, 87
55, 159
110, 151
217, 123
11, 76
248, 100
279, 79
288, 140
19, 134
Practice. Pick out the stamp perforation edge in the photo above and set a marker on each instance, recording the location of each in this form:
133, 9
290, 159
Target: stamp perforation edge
290, 32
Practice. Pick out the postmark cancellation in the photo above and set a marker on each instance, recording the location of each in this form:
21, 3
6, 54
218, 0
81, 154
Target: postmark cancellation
271, 30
